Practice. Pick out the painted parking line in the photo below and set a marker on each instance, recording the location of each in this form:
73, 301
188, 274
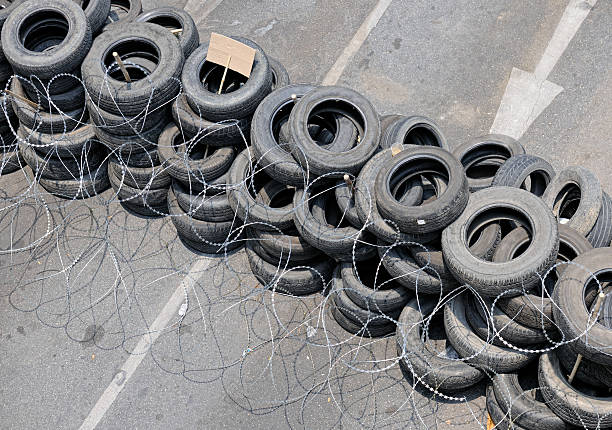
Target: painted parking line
161, 323
528, 94
360, 36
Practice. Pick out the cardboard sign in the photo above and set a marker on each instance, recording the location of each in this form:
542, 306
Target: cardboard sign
230, 53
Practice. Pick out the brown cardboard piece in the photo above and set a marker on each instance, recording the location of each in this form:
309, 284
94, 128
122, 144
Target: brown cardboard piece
222, 48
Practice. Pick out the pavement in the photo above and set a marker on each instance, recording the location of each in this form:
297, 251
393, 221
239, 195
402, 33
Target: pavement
91, 328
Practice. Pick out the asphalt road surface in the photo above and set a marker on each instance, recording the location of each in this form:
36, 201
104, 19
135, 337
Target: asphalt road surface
92, 324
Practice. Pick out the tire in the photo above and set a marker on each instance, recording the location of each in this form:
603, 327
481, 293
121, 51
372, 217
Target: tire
193, 125
203, 206
571, 313
492, 147
86, 186
210, 237
151, 177
122, 11
343, 243
601, 234
384, 297
357, 328
523, 407
429, 217
69, 145
569, 404
122, 125
367, 209
319, 161
65, 93
42, 121
533, 309
414, 130
280, 76
272, 152
491, 279
403, 270
96, 12
288, 244
4, 14
497, 415
303, 280
588, 372
33, 18
515, 171
174, 18
11, 161
245, 205
473, 349
587, 212
438, 372
151, 92
125, 146
154, 200
196, 174
67, 168
240, 103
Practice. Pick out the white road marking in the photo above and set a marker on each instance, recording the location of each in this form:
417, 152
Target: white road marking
528, 94
195, 8
162, 321
360, 36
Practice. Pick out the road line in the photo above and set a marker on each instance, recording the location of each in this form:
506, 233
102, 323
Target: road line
196, 9
360, 36
528, 94
162, 321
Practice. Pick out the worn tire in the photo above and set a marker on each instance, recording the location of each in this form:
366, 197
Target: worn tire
414, 130
280, 76
150, 177
172, 17
601, 234
203, 206
515, 171
86, 186
285, 245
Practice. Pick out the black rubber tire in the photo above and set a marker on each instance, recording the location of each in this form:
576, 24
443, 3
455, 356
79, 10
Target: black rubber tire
310, 278
494, 278
588, 372
65, 93
196, 174
225, 133
429, 217
357, 328
499, 326
343, 243
601, 234
515, 171
476, 351
482, 149
152, 199
129, 145
280, 76
126, 125
386, 121
11, 161
533, 309
87, 186
497, 415
245, 205
385, 297
571, 313
440, 373
203, 206
367, 209
403, 130
69, 145
66, 57
42, 121
358, 314
589, 207
319, 161
523, 407
208, 236
403, 269
66, 168
122, 11
154, 90
96, 12
569, 404
240, 103
189, 37
151, 177
4, 13
288, 244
